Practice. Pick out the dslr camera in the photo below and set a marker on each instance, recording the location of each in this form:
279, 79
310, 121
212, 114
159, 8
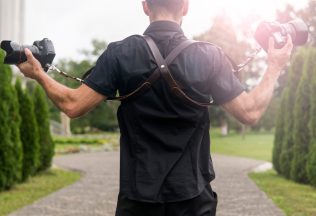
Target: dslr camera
43, 51
297, 29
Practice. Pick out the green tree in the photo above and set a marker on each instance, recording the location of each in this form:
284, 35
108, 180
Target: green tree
279, 136
10, 143
302, 136
42, 118
29, 133
311, 160
295, 73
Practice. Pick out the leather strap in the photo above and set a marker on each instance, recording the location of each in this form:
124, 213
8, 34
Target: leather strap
163, 70
166, 74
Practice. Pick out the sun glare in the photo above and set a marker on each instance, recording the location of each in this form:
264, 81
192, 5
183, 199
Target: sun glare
243, 9
248, 13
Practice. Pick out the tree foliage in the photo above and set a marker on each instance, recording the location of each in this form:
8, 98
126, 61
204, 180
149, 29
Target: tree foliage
311, 160
10, 143
29, 133
279, 136
302, 136
42, 119
295, 74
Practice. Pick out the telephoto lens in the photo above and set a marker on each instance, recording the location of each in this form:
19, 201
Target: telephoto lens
297, 29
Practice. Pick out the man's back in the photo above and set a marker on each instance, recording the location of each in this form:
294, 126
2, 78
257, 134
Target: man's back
165, 145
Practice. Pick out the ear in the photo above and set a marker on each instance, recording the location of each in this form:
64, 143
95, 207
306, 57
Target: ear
185, 8
145, 8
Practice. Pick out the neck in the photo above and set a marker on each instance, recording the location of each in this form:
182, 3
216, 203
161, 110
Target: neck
165, 17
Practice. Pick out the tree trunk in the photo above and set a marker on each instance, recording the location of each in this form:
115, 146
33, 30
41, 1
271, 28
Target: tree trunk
65, 124
224, 127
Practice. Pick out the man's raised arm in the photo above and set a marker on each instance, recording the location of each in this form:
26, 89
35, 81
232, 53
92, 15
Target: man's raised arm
249, 107
73, 102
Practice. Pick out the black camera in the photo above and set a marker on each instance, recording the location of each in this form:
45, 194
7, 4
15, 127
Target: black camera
297, 29
42, 50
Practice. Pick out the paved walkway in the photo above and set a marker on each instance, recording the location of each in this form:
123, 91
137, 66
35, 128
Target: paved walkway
95, 194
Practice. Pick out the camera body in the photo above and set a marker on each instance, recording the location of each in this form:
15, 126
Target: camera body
297, 29
43, 51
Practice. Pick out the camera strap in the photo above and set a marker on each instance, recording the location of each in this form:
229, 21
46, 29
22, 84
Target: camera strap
164, 72
54, 68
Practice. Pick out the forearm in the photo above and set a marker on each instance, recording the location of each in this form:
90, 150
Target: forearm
62, 96
249, 107
261, 95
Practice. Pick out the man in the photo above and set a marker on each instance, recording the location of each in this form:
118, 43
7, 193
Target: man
165, 146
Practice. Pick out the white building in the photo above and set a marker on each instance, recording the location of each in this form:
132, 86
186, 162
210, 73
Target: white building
12, 20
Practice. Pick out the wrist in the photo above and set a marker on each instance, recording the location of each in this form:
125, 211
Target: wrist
274, 70
39, 75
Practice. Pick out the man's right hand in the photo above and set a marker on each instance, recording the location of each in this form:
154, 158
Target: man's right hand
278, 58
31, 68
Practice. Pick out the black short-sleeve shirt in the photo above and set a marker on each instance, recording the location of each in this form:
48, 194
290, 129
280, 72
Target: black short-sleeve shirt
165, 143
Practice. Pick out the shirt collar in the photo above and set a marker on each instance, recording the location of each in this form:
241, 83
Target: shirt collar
167, 26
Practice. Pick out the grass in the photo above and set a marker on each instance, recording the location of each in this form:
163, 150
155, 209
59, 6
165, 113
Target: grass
295, 199
254, 145
35, 188
78, 143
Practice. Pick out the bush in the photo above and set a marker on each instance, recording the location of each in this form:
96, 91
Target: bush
302, 136
42, 118
29, 133
10, 143
279, 134
311, 160
295, 74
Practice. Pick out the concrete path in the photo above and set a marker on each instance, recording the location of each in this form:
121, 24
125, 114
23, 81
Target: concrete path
96, 193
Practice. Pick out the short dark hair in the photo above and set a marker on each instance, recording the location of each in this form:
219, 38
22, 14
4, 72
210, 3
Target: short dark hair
171, 6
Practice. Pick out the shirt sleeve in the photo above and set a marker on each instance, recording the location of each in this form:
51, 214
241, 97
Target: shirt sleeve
225, 86
102, 78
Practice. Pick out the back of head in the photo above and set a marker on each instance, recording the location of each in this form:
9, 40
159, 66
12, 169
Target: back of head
173, 7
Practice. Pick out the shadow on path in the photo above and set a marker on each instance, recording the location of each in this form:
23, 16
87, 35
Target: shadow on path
96, 193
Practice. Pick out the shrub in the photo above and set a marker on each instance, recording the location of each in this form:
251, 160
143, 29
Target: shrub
42, 118
29, 133
311, 160
10, 143
279, 134
295, 74
302, 136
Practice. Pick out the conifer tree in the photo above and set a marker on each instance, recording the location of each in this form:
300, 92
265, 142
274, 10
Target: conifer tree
29, 133
302, 136
311, 160
42, 119
295, 74
10, 143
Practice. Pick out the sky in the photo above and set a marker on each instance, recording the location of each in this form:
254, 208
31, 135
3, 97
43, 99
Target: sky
72, 24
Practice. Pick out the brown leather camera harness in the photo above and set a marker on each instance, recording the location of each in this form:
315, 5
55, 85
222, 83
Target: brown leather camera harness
164, 72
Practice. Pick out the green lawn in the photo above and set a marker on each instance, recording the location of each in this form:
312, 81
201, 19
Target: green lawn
257, 146
35, 188
295, 199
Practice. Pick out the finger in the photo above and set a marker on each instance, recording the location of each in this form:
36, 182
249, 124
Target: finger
271, 43
289, 42
29, 55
